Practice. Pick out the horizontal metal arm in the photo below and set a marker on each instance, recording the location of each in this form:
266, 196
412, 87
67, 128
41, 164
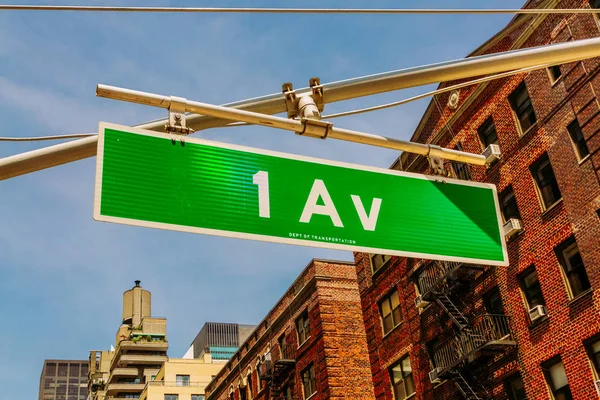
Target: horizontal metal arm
333, 92
312, 128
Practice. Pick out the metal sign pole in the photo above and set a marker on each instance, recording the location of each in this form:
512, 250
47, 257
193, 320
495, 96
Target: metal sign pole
304, 127
337, 91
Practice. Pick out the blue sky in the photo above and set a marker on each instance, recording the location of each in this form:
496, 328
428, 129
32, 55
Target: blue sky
62, 273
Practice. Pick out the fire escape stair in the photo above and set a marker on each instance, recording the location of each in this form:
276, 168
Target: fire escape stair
450, 308
470, 391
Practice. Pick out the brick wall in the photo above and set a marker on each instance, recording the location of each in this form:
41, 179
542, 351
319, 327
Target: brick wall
571, 321
328, 291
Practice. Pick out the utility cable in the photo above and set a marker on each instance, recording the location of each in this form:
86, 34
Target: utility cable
277, 10
39, 138
330, 116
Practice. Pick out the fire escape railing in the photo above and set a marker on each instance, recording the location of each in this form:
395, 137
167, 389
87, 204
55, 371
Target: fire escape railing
435, 274
277, 362
488, 331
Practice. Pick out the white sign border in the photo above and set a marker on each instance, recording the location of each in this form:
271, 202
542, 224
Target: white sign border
274, 239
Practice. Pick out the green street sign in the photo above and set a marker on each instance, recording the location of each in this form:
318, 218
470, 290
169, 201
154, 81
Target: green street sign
155, 180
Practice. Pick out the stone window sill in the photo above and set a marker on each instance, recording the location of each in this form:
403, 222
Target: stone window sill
581, 295
552, 207
584, 159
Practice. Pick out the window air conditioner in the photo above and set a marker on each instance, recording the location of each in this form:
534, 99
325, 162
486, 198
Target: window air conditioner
434, 375
420, 303
492, 154
597, 384
512, 227
537, 312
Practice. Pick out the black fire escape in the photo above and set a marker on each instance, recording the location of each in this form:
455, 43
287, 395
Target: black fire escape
275, 368
475, 337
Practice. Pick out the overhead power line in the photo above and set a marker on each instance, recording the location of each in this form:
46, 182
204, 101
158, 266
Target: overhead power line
39, 138
278, 10
432, 93
330, 116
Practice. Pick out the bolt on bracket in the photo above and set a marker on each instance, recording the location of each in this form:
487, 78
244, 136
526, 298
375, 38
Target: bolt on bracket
177, 117
291, 103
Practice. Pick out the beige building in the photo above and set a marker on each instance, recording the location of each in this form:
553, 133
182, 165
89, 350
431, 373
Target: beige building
182, 379
141, 350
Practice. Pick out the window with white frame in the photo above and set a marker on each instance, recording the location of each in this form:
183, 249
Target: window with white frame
303, 327
573, 268
378, 261
402, 379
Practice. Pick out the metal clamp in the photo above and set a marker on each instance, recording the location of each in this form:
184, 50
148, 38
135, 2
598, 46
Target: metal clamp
314, 128
317, 92
296, 104
290, 99
177, 118
435, 162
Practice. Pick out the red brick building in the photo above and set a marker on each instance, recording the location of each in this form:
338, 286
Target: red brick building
311, 344
530, 330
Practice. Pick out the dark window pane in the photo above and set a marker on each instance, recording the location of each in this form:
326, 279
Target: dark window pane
487, 132
578, 139
515, 388
508, 204
532, 289
595, 3
572, 263
555, 72
521, 105
493, 302
546, 181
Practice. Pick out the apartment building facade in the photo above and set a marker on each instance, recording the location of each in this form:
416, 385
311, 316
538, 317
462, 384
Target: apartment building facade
439, 330
310, 345
141, 349
63, 380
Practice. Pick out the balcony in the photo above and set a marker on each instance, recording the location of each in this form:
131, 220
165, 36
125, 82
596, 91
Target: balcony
122, 372
488, 333
142, 343
278, 363
124, 388
143, 359
176, 384
436, 274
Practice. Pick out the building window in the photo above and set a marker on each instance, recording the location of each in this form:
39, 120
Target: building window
389, 309
303, 328
508, 204
461, 170
556, 378
578, 140
309, 381
378, 261
402, 379
515, 389
197, 397
555, 73
493, 302
243, 393
249, 385
545, 181
521, 105
593, 349
182, 380
530, 285
487, 133
171, 397
570, 259
594, 3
